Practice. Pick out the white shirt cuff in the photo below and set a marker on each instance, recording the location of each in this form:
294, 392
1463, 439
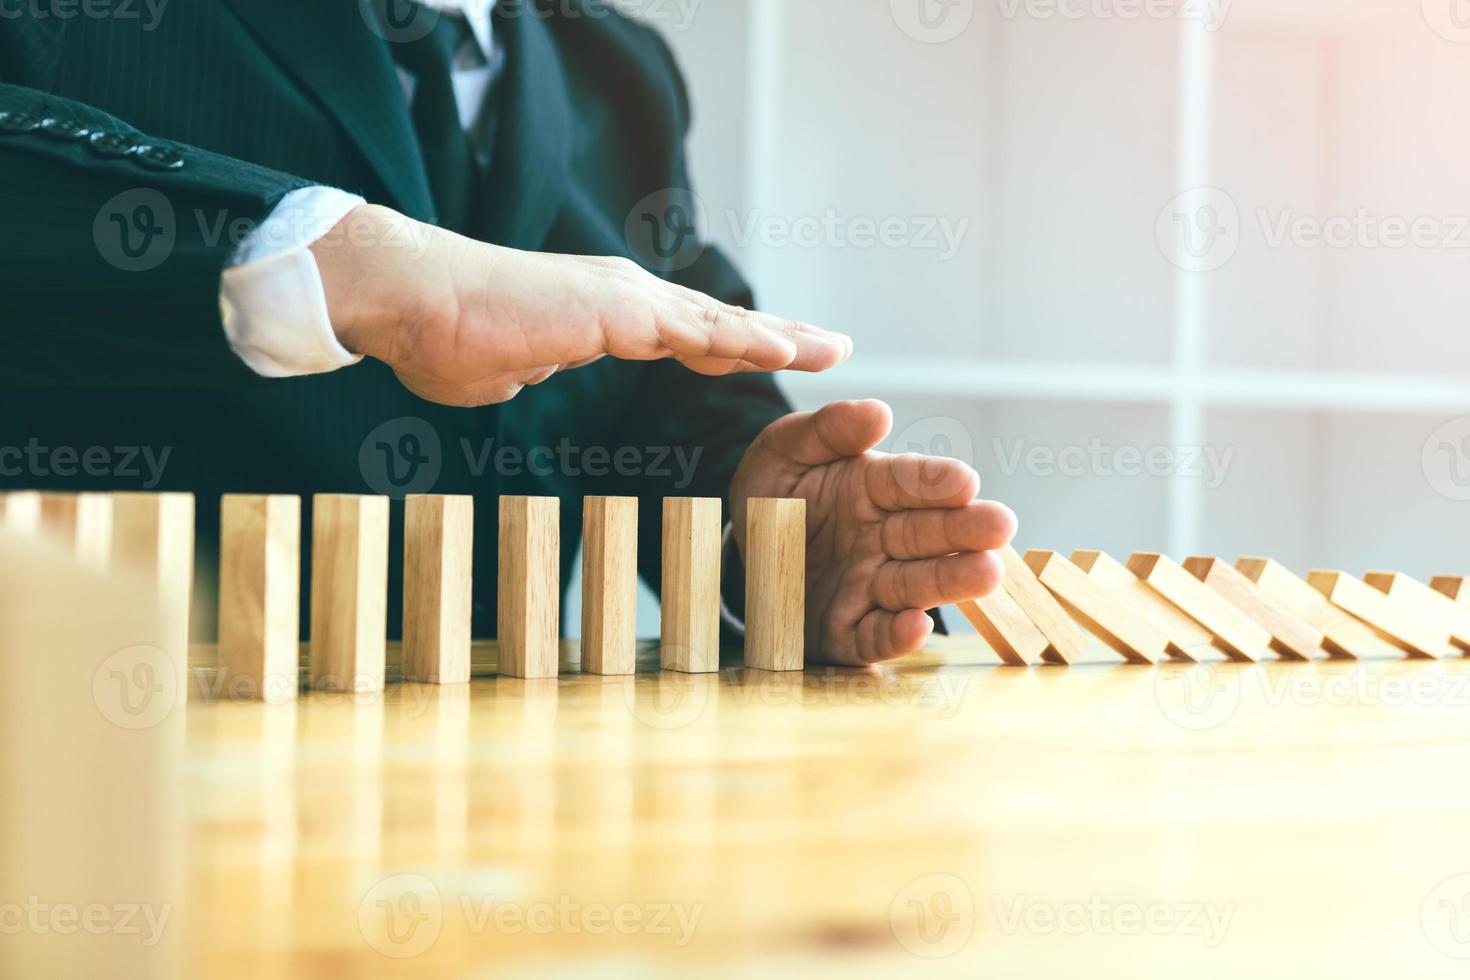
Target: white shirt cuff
271, 296
731, 620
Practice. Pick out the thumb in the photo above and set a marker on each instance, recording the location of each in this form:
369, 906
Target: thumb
836, 432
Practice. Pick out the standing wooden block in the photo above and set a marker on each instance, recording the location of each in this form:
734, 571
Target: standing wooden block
529, 593
349, 592
610, 585
1065, 639
1109, 619
689, 631
1233, 631
83, 521
775, 584
20, 512
1344, 636
1187, 640
438, 555
259, 597
1430, 604
153, 534
1391, 621
1291, 637
1005, 628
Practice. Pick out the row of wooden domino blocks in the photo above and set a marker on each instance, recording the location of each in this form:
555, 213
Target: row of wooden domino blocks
1153, 609
259, 587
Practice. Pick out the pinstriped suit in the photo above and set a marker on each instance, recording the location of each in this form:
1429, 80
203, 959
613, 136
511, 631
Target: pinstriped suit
246, 100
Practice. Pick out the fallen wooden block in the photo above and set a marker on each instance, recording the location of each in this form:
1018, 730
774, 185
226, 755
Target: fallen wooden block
1434, 607
529, 594
610, 585
153, 535
1343, 636
1456, 587
349, 592
1065, 640
1233, 631
1005, 628
438, 552
83, 521
259, 597
1110, 619
1392, 622
1291, 637
689, 616
775, 585
1188, 641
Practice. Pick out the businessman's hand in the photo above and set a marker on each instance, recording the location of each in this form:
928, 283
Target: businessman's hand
887, 536
465, 323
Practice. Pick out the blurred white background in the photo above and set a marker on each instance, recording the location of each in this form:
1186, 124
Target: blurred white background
1180, 275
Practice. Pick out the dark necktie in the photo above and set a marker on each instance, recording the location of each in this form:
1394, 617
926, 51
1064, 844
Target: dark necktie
448, 156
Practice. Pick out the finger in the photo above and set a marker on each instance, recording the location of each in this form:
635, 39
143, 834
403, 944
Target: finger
838, 431
981, 525
884, 635
931, 582
915, 482
718, 332
717, 367
816, 346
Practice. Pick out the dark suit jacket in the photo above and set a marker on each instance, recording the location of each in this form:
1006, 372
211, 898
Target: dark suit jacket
108, 350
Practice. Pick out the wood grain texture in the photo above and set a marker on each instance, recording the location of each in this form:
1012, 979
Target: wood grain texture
153, 537
438, 555
1188, 641
1233, 631
83, 521
528, 593
1391, 621
610, 585
1343, 636
1005, 628
1065, 640
1108, 617
775, 584
20, 512
259, 598
349, 592
689, 619
1291, 637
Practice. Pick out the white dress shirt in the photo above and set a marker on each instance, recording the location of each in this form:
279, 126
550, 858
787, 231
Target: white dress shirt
271, 296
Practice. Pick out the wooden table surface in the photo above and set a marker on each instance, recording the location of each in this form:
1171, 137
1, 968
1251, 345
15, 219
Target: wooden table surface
941, 816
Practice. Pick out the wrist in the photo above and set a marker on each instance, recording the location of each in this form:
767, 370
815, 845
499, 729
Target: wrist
355, 276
